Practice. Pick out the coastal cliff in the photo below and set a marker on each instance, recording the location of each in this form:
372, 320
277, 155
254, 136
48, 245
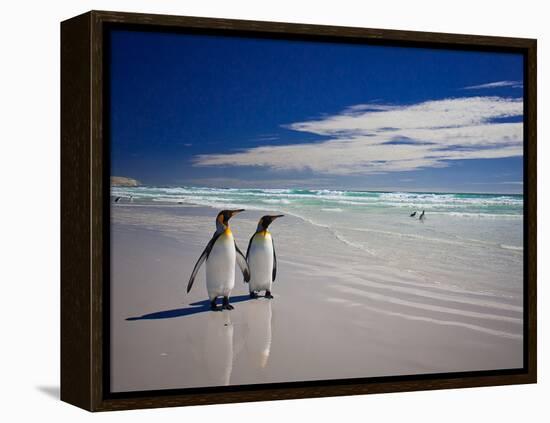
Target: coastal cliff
122, 181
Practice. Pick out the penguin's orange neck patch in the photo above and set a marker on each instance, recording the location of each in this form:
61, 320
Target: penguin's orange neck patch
228, 231
264, 233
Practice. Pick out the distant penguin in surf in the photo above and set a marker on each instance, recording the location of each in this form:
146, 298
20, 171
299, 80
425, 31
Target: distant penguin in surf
421, 215
131, 198
413, 214
220, 255
261, 258
117, 199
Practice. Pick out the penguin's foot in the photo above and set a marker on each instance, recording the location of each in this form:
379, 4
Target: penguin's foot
253, 295
213, 305
226, 305
268, 294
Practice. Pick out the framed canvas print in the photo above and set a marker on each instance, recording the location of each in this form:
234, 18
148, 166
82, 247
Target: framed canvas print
257, 211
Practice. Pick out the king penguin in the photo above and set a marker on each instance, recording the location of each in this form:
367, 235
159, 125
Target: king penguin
261, 258
220, 255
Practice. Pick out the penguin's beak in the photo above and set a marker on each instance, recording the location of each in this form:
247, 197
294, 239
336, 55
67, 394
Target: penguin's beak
234, 212
267, 220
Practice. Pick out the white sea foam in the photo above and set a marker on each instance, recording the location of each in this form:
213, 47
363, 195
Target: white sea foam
384, 213
511, 247
484, 215
454, 203
335, 233
276, 201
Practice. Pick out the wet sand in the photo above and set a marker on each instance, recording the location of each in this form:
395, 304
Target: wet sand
337, 313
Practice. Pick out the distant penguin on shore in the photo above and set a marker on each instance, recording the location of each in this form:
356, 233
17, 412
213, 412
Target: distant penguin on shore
261, 258
220, 255
421, 215
413, 214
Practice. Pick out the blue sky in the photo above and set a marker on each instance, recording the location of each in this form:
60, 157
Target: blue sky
240, 112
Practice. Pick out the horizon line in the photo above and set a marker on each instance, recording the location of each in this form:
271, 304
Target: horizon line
422, 191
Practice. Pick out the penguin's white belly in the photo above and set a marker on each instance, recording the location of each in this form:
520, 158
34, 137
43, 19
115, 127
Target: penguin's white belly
260, 262
220, 267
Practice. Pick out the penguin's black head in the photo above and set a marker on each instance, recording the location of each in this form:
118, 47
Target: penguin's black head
265, 221
225, 215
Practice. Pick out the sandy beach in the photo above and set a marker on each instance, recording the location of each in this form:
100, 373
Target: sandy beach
339, 311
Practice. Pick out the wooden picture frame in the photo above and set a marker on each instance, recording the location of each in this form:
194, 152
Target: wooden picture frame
84, 225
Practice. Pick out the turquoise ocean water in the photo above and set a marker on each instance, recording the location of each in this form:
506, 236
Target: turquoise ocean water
478, 237
450, 204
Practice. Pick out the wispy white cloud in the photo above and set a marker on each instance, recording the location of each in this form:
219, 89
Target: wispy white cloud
371, 138
496, 84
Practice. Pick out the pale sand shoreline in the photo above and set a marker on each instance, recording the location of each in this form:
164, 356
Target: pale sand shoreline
337, 312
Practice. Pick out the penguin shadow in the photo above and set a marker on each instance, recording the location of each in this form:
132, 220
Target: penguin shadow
196, 307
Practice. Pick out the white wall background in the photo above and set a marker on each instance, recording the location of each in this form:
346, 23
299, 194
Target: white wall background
29, 225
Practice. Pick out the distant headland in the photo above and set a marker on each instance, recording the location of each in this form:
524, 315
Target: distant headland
122, 181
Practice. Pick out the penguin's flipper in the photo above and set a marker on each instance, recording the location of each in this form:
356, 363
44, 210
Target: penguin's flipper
249, 244
274, 274
201, 260
243, 265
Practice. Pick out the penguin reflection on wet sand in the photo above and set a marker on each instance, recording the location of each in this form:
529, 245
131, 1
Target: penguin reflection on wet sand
257, 324
220, 255
217, 348
261, 258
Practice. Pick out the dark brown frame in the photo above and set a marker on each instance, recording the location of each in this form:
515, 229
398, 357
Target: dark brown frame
84, 184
